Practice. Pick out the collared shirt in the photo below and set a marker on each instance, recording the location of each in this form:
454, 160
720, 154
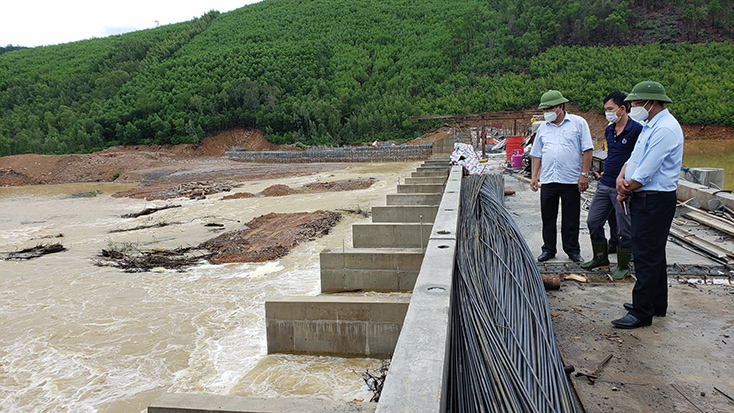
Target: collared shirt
560, 148
655, 162
619, 148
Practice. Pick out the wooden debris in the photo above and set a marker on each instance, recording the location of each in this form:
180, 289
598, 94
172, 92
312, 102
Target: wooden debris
139, 227
90, 194
551, 281
376, 380
700, 244
711, 220
131, 259
35, 252
577, 277
148, 211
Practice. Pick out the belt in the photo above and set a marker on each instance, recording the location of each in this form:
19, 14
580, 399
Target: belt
643, 194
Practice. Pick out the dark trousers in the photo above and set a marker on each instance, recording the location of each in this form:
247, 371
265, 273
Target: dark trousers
570, 198
604, 206
651, 219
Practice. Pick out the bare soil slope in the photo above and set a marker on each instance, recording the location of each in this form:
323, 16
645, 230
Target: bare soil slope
166, 165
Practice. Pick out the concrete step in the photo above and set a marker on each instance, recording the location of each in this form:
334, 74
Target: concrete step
429, 174
446, 169
198, 403
413, 199
334, 325
370, 269
390, 235
404, 213
420, 188
437, 162
423, 181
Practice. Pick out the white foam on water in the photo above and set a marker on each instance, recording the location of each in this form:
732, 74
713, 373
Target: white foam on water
320, 377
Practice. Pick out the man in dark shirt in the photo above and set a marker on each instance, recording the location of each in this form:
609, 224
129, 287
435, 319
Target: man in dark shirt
621, 136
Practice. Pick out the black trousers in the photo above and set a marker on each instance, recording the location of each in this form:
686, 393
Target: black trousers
651, 219
570, 198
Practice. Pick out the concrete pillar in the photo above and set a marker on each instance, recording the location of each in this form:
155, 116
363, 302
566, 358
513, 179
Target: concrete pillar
199, 403
413, 199
370, 269
404, 213
419, 181
418, 377
443, 169
420, 189
428, 174
390, 235
335, 325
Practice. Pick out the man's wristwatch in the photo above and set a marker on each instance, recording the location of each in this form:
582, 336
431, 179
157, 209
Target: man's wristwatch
586, 174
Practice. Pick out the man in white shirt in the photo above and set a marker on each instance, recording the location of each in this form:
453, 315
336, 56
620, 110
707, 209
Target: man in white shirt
561, 156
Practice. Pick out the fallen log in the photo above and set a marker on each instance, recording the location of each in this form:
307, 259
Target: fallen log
148, 211
35, 252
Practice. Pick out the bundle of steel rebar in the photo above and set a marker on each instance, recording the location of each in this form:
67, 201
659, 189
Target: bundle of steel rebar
504, 356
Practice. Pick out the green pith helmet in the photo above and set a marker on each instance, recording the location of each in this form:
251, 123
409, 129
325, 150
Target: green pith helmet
551, 98
648, 90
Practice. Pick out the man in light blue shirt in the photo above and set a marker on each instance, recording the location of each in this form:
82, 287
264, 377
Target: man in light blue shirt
561, 156
646, 187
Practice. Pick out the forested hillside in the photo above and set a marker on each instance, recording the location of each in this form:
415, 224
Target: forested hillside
347, 71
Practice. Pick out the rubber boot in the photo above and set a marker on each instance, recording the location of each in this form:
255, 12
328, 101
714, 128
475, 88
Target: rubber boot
601, 259
623, 264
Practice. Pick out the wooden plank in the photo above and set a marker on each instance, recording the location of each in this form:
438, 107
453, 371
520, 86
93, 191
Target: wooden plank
700, 244
711, 220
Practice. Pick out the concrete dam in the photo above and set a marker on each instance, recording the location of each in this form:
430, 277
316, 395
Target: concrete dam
411, 245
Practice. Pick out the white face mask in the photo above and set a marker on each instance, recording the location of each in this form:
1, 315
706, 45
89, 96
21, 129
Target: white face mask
550, 116
612, 116
639, 113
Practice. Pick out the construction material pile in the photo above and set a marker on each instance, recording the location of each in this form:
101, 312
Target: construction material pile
504, 356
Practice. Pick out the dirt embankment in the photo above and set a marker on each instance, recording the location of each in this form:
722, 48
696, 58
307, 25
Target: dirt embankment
270, 236
125, 163
168, 165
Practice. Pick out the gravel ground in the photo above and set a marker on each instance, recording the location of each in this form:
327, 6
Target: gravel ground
675, 365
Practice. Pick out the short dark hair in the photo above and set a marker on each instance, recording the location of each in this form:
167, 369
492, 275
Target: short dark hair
618, 98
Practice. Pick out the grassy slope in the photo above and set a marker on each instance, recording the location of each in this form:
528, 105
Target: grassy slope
324, 72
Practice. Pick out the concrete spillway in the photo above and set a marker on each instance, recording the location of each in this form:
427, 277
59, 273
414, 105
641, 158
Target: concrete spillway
388, 255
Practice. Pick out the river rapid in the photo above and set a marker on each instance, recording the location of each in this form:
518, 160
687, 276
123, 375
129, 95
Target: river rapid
75, 337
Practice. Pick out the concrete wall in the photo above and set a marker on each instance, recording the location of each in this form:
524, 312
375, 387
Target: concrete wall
390, 235
339, 154
420, 188
429, 174
445, 145
413, 199
417, 379
431, 180
201, 403
335, 325
370, 269
404, 213
703, 194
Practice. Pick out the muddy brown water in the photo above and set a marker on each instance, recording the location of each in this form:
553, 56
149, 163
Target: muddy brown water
75, 337
711, 153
